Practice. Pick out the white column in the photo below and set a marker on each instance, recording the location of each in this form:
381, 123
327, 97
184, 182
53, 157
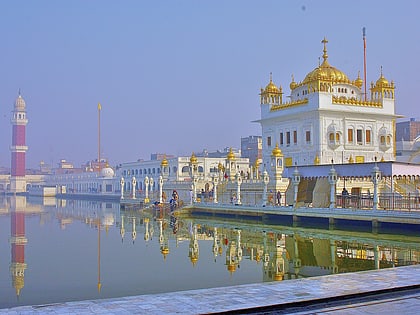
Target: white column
160, 189
295, 182
266, 179
376, 177
133, 183
332, 179
215, 182
146, 189
238, 188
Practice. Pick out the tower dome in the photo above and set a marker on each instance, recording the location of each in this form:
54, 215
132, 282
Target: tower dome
276, 151
325, 71
193, 159
231, 155
20, 104
271, 87
382, 81
107, 172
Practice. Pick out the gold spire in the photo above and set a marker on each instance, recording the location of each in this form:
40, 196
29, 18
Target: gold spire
293, 84
325, 55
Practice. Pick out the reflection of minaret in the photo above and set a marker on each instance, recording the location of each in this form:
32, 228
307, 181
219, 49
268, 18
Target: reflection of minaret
18, 147
193, 249
18, 242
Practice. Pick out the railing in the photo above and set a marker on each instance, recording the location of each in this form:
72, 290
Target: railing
387, 201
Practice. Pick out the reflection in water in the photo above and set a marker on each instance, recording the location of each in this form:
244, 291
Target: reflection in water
220, 253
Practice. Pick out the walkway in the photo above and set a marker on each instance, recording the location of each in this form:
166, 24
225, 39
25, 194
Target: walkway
267, 297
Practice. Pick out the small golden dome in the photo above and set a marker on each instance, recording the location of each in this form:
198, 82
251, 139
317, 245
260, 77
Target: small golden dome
164, 162
351, 159
316, 160
271, 87
382, 81
230, 156
276, 151
193, 159
293, 84
358, 82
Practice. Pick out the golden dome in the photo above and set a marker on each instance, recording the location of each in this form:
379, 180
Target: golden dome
164, 162
193, 159
382, 81
316, 160
230, 156
293, 84
325, 71
271, 87
358, 82
276, 151
220, 166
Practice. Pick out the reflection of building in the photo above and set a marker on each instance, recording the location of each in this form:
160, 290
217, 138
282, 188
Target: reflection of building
18, 241
18, 148
328, 117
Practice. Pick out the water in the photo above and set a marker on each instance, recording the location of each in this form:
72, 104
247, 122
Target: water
52, 251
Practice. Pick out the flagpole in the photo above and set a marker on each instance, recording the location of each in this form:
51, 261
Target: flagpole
99, 137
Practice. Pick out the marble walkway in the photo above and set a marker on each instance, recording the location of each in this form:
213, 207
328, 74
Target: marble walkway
263, 298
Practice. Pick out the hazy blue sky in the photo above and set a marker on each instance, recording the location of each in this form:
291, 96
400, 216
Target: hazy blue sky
180, 76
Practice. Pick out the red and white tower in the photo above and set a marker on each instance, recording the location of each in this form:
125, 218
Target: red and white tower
18, 147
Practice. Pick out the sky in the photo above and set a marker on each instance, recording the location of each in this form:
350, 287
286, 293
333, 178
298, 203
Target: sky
178, 77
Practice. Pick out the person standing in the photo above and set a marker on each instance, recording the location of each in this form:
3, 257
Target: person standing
278, 197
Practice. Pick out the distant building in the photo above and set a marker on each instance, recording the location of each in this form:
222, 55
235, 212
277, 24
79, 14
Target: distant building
251, 148
160, 156
408, 130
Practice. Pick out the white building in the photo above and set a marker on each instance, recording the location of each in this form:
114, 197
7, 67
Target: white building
328, 117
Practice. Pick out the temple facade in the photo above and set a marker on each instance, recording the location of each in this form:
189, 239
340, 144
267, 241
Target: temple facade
329, 118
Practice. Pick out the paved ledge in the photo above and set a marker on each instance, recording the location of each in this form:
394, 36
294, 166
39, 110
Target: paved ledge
243, 297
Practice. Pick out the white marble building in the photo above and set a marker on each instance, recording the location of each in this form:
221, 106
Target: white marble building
329, 117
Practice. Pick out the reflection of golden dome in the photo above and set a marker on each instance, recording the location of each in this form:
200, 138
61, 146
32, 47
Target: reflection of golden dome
193, 159
164, 251
220, 250
164, 162
231, 155
194, 260
231, 268
278, 277
257, 163
276, 151
325, 71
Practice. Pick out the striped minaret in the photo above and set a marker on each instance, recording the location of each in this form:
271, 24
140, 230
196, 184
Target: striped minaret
18, 147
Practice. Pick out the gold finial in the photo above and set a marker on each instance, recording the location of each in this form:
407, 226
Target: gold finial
271, 76
325, 55
293, 84
276, 151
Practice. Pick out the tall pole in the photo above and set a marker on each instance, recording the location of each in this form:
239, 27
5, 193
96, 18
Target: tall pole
99, 136
364, 61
